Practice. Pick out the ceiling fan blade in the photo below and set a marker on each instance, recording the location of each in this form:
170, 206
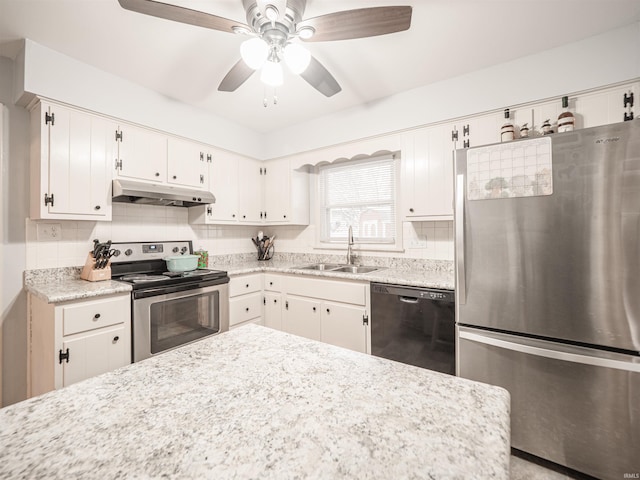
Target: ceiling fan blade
238, 74
181, 14
359, 23
319, 78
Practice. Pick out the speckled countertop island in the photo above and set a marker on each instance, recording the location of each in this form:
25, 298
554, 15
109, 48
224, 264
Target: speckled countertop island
258, 403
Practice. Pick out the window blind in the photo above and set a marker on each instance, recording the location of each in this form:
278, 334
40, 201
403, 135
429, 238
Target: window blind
361, 194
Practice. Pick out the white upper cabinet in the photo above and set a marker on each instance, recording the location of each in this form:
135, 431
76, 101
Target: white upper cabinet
188, 163
286, 194
71, 155
249, 190
427, 173
142, 154
223, 179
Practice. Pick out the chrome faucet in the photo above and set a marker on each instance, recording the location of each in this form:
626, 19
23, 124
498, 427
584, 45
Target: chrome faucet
349, 245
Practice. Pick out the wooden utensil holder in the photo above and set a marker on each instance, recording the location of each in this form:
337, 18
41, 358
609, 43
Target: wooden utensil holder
93, 274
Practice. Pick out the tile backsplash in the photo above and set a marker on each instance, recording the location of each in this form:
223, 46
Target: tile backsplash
427, 240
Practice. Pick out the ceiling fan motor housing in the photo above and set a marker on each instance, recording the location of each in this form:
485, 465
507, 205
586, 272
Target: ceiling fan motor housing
284, 24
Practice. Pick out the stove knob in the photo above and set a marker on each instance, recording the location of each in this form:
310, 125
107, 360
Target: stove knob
128, 252
116, 253
175, 249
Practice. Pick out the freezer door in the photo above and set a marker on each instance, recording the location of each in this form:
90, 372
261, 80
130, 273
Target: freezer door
565, 265
568, 405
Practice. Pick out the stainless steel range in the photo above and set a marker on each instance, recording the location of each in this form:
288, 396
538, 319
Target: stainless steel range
169, 309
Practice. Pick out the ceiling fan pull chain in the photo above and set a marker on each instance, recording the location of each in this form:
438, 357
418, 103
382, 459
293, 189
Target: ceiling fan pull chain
265, 101
275, 96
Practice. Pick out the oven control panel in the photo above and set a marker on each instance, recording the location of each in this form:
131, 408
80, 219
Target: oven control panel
152, 248
144, 251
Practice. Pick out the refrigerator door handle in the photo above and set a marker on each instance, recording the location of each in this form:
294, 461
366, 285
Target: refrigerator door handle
567, 353
461, 291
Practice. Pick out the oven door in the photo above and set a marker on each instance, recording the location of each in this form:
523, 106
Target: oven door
164, 322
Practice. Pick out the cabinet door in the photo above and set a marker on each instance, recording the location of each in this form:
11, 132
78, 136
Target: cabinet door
273, 310
223, 180
79, 146
250, 190
187, 163
343, 325
95, 352
428, 174
301, 317
276, 191
142, 153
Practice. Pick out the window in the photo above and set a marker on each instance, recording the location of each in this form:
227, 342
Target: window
361, 194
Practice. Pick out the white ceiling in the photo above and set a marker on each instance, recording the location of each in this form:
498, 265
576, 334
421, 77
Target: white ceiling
447, 38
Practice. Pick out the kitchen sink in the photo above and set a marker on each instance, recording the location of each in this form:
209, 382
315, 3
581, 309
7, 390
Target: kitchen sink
356, 269
336, 267
320, 266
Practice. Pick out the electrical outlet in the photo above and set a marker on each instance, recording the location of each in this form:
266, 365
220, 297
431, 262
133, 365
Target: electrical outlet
418, 243
49, 232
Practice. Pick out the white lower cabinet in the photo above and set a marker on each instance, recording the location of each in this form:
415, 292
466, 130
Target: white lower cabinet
76, 340
344, 326
245, 300
331, 311
302, 317
273, 301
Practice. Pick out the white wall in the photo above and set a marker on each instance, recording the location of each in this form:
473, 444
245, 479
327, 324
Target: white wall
600, 60
48, 73
14, 191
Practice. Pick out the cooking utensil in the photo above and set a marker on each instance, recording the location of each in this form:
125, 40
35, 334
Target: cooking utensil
182, 263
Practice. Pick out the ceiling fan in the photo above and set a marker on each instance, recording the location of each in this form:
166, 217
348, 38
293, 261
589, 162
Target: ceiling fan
274, 26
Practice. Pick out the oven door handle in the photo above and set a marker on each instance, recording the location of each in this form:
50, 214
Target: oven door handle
188, 289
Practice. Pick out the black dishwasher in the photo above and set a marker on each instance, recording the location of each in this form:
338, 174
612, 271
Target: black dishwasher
413, 325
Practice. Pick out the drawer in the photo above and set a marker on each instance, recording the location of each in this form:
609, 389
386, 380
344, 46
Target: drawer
89, 315
245, 307
334, 290
245, 284
272, 282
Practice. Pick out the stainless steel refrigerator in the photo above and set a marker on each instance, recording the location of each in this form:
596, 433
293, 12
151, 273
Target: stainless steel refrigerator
548, 290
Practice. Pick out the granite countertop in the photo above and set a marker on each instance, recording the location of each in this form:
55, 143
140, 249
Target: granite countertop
64, 284
259, 403
56, 285
398, 276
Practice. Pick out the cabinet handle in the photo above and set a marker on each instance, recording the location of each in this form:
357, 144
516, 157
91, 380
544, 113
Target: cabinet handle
314, 309
157, 174
96, 316
285, 216
233, 216
328, 311
271, 284
97, 207
247, 309
411, 210
116, 338
247, 285
244, 216
174, 177
275, 301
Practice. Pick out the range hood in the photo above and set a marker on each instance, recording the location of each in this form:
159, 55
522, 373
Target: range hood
131, 191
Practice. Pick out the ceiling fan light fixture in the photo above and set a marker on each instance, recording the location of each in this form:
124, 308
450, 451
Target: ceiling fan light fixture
254, 52
297, 58
272, 74
306, 33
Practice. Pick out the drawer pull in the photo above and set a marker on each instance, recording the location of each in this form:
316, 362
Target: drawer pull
275, 301
328, 311
247, 309
247, 285
314, 309
116, 338
271, 284
96, 316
